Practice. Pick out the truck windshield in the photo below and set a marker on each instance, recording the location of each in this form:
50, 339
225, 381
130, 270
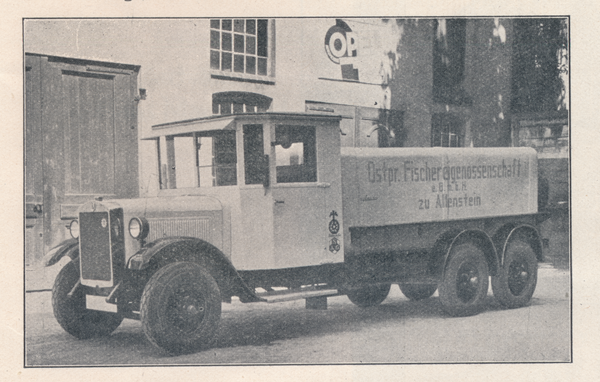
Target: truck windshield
206, 159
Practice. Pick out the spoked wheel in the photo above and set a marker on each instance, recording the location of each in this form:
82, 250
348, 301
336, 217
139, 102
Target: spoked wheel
417, 292
465, 282
71, 312
181, 308
517, 278
369, 295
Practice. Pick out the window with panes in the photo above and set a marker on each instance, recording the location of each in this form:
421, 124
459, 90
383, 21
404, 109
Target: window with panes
447, 130
239, 46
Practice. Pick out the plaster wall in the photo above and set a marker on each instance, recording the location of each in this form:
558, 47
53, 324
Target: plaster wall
393, 60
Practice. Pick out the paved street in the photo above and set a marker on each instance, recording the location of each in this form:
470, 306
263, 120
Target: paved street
398, 331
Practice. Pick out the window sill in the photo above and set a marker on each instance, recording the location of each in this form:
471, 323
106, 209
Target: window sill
302, 185
240, 77
353, 81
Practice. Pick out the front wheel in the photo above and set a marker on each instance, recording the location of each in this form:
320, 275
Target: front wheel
71, 312
369, 295
465, 282
516, 280
181, 308
417, 292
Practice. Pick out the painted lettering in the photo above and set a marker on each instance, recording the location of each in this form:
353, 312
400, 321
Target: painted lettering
384, 173
371, 171
445, 201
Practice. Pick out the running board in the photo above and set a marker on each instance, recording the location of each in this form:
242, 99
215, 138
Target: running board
278, 296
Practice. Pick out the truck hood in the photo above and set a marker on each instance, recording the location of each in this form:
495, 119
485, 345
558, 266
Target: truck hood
160, 207
190, 216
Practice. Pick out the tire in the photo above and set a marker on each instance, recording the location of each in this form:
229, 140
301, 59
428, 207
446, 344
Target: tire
417, 292
181, 308
465, 282
369, 295
517, 278
71, 312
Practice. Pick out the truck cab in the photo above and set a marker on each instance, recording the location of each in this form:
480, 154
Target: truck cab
277, 178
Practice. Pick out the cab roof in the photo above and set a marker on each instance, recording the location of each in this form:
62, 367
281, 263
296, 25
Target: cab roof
228, 122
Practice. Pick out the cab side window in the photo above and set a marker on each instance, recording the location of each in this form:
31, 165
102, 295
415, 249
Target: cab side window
254, 154
295, 154
217, 159
206, 159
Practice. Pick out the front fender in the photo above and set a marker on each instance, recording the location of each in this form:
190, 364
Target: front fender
171, 249
68, 247
142, 258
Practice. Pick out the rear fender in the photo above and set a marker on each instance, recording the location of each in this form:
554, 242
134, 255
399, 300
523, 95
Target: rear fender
66, 248
524, 231
168, 250
447, 241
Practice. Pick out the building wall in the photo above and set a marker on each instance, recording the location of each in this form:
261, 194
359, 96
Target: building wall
393, 62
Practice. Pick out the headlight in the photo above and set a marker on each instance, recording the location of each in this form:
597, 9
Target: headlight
138, 228
74, 229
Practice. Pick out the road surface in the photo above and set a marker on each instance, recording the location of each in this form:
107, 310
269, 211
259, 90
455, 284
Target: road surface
398, 331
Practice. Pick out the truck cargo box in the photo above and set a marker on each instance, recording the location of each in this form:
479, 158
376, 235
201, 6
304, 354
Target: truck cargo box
416, 185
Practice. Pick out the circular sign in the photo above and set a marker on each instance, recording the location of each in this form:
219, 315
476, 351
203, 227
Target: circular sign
340, 42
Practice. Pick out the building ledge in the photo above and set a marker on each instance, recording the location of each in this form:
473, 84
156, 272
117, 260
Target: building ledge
241, 79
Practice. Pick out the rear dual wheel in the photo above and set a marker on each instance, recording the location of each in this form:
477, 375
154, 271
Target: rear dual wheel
465, 281
517, 277
418, 292
369, 295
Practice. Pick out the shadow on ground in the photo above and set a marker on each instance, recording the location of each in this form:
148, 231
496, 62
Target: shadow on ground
256, 325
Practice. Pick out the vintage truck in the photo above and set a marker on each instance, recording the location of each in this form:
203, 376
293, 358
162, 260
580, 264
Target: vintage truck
268, 207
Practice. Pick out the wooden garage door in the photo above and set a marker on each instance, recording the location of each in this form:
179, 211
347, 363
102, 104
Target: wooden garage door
89, 137
81, 142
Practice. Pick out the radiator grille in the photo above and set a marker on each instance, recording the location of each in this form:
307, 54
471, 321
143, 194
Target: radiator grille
193, 227
94, 241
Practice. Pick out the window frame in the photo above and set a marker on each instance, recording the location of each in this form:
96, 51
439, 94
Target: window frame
234, 36
449, 62
308, 169
225, 103
447, 125
167, 163
253, 154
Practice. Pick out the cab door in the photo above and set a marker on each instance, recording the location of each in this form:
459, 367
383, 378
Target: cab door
306, 195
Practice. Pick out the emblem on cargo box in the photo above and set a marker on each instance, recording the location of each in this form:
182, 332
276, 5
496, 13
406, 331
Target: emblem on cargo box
103, 223
334, 225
